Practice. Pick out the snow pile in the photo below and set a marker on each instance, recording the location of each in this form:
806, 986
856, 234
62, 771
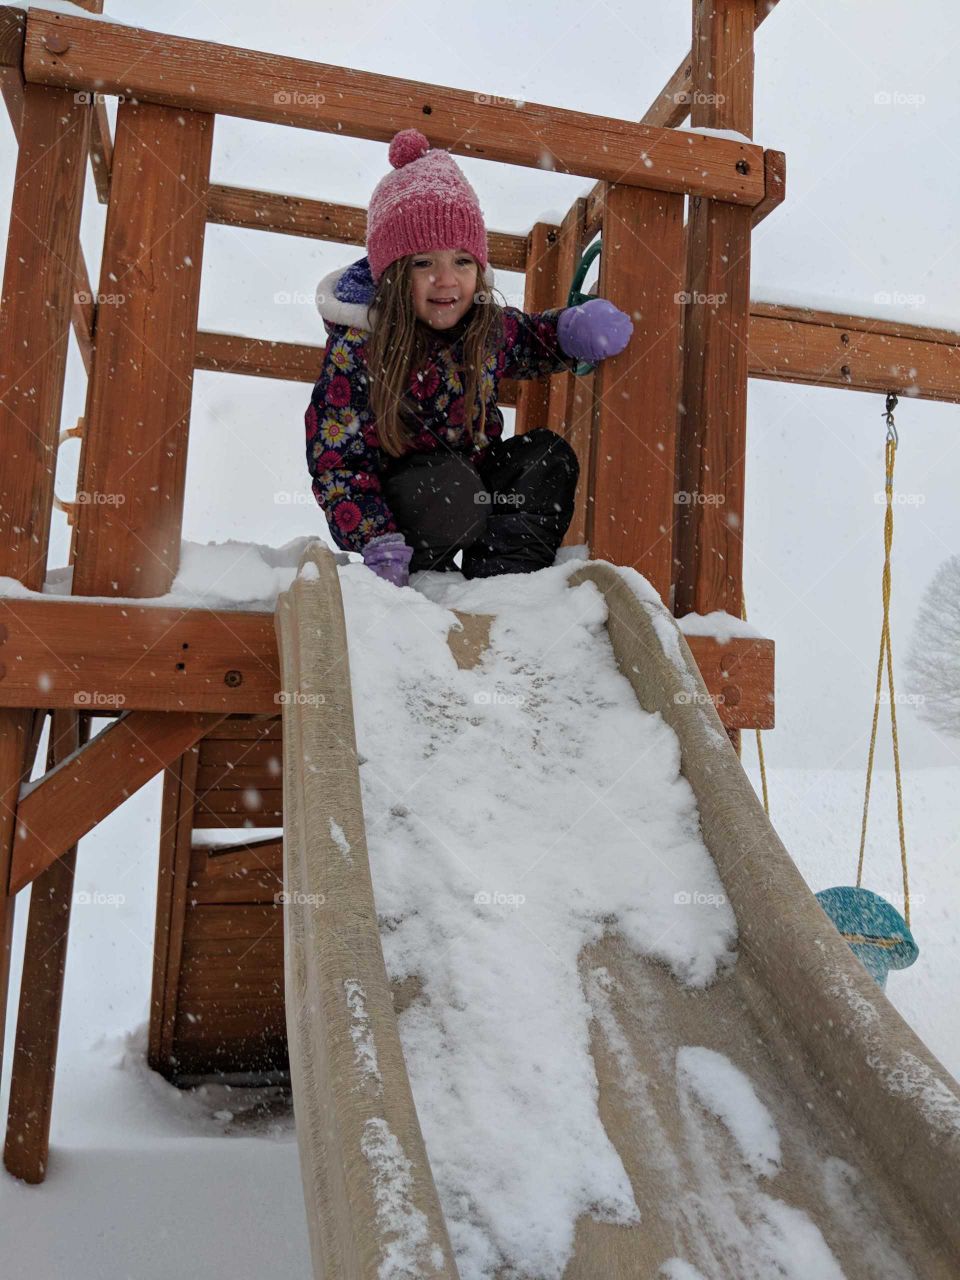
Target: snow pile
212, 575
489, 904
720, 625
726, 1092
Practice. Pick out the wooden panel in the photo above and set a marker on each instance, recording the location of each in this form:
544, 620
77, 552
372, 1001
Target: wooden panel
210, 1038
204, 820
203, 76
157, 659
248, 804
70, 801
632, 512
249, 752
237, 728
232, 778
539, 294
249, 923
247, 874
128, 532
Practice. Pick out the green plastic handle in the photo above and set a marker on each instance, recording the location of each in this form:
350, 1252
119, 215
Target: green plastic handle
575, 297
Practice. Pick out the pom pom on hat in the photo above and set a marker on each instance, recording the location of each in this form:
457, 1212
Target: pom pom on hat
407, 145
424, 203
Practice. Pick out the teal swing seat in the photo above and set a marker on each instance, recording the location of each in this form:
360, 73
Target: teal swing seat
877, 933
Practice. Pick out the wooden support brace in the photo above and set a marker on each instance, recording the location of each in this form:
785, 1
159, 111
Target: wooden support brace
87, 786
41, 990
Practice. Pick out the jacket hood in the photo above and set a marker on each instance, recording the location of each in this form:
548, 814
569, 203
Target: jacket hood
344, 294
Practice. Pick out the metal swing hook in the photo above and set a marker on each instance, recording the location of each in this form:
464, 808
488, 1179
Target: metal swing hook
888, 414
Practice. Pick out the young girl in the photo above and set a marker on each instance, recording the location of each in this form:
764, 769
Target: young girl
403, 428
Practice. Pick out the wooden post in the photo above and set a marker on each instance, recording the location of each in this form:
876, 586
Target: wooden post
712, 443
38, 287
571, 399
135, 453
41, 991
631, 511
539, 294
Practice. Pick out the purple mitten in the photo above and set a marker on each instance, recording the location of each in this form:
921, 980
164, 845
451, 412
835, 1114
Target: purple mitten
389, 557
593, 330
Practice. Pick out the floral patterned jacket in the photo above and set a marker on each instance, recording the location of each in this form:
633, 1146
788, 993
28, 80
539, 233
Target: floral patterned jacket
343, 454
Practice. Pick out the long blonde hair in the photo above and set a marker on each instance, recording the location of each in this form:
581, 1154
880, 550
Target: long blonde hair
398, 345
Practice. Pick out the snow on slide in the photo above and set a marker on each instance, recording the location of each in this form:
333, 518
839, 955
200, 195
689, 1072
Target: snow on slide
514, 813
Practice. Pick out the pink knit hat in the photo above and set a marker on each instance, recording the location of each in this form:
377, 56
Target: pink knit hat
426, 204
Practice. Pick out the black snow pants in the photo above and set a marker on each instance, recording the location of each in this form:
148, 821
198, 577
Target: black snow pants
508, 514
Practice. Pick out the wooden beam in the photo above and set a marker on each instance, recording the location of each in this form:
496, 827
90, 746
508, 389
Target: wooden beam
786, 344
288, 361
41, 990
65, 804
859, 353
128, 532
77, 53
53, 649
158, 659
712, 437
322, 220
631, 513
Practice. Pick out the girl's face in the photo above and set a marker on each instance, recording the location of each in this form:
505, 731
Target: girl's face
444, 282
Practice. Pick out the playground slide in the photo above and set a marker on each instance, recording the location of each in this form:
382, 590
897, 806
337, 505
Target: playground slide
865, 1178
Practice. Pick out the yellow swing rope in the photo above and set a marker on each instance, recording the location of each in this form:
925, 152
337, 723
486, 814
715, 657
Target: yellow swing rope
763, 767
886, 653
